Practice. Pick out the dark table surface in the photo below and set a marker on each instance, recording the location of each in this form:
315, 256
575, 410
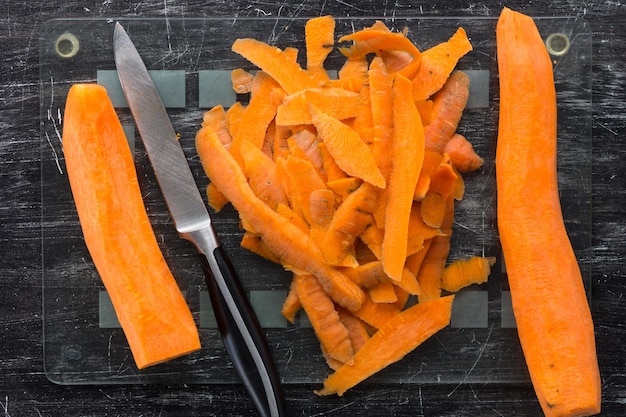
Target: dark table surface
26, 391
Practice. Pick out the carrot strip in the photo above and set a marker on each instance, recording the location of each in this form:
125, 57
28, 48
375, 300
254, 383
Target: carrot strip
346, 147
433, 264
551, 310
345, 186
448, 105
216, 118
254, 243
241, 80
319, 35
260, 171
383, 292
304, 180
432, 160
408, 156
357, 329
336, 102
233, 116
293, 247
292, 303
351, 218
433, 209
149, 305
418, 230
322, 206
465, 272
324, 318
462, 154
376, 314
278, 64
215, 198
437, 64
257, 116
396, 338
370, 40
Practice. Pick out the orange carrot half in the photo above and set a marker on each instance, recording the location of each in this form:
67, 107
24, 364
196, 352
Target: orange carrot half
397, 337
149, 305
549, 302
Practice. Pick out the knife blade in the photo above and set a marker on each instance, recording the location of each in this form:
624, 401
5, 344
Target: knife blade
239, 327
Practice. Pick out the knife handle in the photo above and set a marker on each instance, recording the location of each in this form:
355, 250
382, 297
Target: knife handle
239, 327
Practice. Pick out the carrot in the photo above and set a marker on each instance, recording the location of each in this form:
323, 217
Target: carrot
437, 63
257, 115
292, 246
343, 187
149, 305
322, 206
324, 318
278, 64
254, 243
376, 314
433, 209
408, 156
216, 118
418, 230
303, 181
241, 80
553, 319
448, 105
372, 40
357, 329
462, 154
394, 340
260, 171
383, 292
319, 35
215, 198
346, 147
233, 117
434, 261
464, 272
337, 102
432, 160
352, 217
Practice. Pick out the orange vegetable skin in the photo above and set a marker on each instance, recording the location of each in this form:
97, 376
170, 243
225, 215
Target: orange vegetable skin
408, 156
397, 337
551, 309
149, 305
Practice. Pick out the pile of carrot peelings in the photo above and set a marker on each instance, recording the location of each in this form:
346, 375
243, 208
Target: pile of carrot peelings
350, 184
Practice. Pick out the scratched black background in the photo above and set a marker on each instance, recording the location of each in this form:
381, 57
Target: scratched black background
24, 388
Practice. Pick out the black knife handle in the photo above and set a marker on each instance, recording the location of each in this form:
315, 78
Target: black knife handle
242, 334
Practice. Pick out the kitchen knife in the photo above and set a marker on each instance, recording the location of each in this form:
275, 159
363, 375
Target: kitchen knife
239, 327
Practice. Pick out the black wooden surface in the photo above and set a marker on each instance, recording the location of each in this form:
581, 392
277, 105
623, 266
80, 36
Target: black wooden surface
24, 388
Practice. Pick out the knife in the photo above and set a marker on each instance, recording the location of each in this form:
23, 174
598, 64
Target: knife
238, 325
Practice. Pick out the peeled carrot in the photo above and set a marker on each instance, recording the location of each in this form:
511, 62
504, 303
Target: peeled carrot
397, 337
149, 305
553, 319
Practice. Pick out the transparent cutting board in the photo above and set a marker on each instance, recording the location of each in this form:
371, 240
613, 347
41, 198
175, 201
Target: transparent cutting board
190, 60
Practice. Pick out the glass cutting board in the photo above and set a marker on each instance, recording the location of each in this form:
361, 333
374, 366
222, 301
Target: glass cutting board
190, 61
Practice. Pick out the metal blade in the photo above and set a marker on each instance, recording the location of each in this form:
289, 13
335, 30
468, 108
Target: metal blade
166, 155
